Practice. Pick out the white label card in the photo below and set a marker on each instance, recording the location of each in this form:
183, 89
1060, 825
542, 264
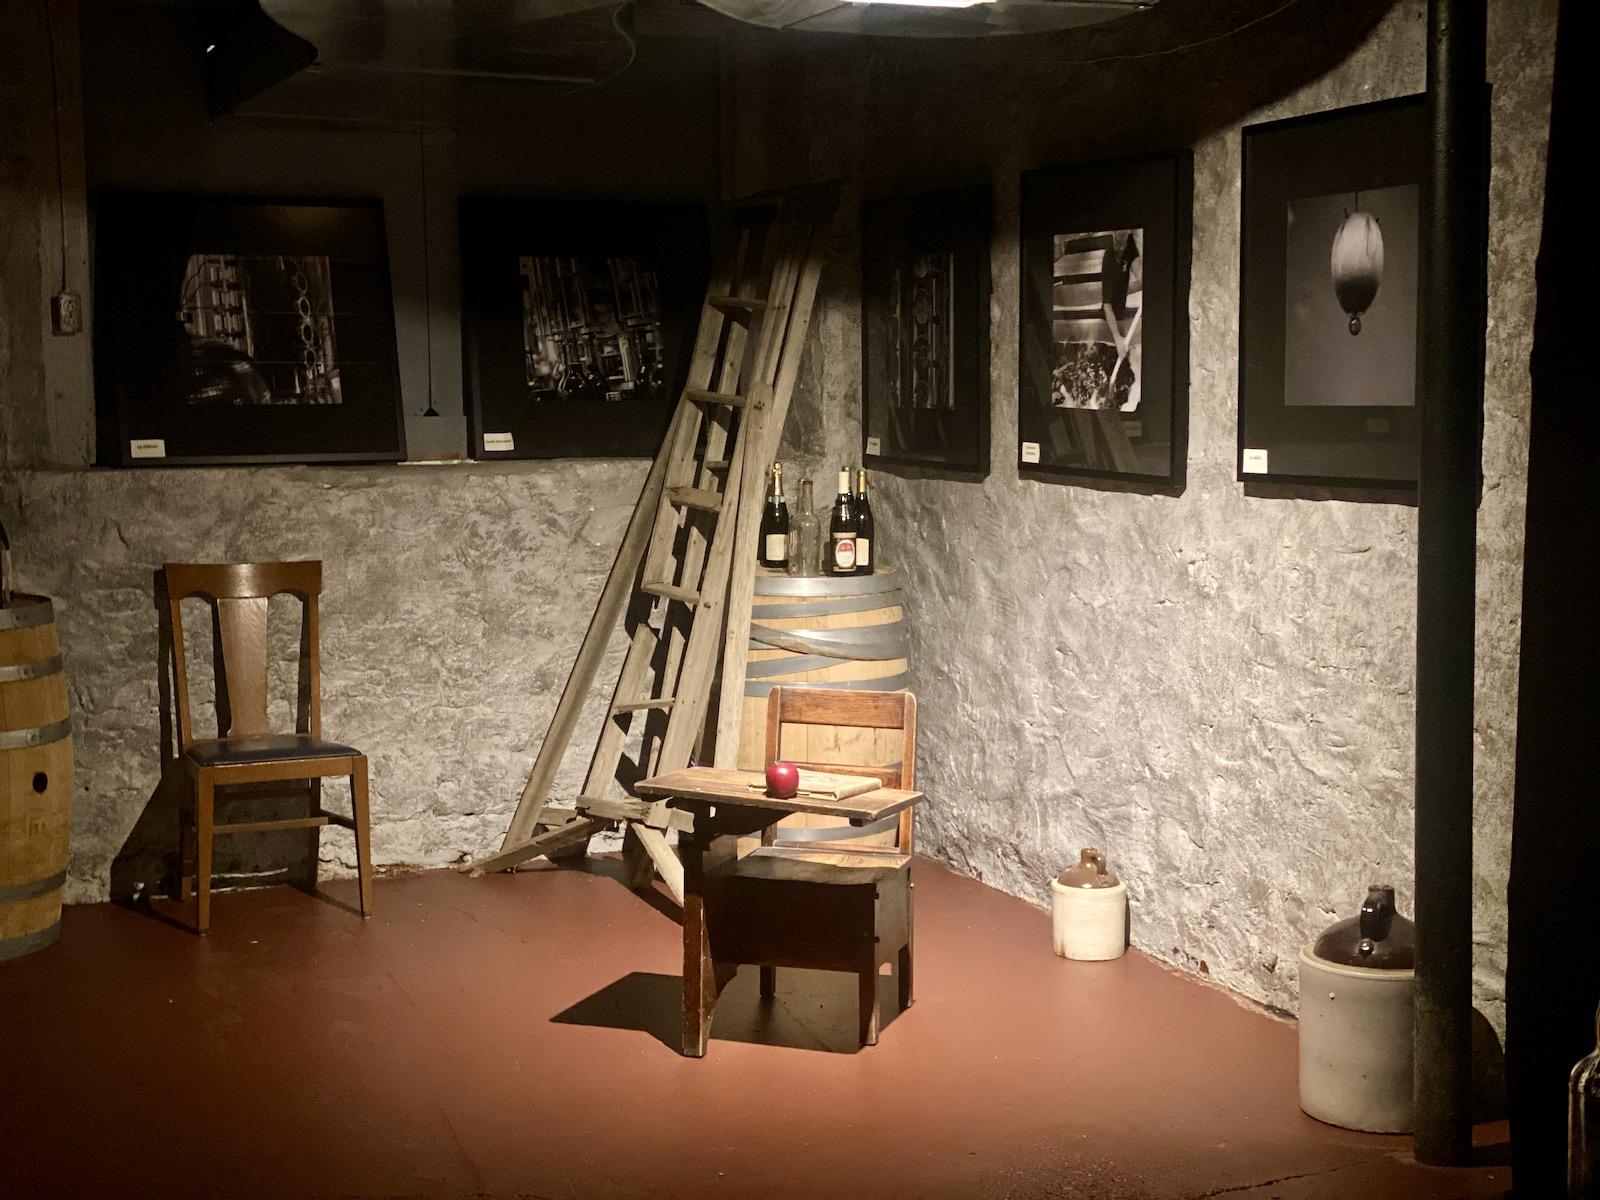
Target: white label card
498, 443
874, 446
147, 448
1030, 452
1255, 462
777, 547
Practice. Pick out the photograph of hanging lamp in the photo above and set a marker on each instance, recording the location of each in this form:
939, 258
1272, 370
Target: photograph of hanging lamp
1357, 262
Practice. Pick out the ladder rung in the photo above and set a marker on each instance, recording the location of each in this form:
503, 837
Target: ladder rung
689, 497
665, 702
717, 464
704, 397
668, 591
745, 304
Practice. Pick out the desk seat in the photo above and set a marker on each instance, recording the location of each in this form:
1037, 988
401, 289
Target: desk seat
808, 865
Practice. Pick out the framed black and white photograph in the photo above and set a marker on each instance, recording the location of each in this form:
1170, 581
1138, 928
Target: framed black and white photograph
925, 329
241, 330
1329, 281
578, 320
1103, 376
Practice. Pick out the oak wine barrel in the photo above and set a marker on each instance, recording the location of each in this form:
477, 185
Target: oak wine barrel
845, 631
35, 777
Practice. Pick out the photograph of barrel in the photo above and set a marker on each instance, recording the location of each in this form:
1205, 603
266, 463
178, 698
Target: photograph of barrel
836, 632
36, 782
1103, 345
1098, 302
1350, 329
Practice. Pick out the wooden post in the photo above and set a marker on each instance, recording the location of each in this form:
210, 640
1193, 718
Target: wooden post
1451, 394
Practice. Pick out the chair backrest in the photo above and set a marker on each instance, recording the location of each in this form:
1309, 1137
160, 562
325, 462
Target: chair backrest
239, 594
840, 708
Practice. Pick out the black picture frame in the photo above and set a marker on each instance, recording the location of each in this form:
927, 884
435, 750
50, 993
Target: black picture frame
576, 249
1118, 234
925, 329
243, 330
1299, 365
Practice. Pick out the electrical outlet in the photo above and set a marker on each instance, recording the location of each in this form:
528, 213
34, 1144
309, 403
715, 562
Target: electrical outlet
66, 314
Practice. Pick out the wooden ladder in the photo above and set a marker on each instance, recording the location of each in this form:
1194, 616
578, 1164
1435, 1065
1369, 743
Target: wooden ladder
690, 544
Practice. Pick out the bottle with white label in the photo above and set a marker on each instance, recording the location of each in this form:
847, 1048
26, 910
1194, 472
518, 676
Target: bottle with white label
864, 527
842, 529
774, 548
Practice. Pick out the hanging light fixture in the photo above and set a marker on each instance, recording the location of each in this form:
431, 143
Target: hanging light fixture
1357, 262
927, 3
927, 18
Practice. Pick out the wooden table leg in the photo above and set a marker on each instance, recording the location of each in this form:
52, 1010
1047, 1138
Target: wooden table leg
868, 1002
703, 977
699, 977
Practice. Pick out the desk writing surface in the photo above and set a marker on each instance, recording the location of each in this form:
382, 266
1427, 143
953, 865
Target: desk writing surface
718, 786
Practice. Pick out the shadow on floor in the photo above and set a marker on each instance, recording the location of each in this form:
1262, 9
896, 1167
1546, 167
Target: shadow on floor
814, 1010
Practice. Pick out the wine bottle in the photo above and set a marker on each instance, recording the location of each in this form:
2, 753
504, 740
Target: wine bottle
774, 549
864, 527
1583, 1125
842, 529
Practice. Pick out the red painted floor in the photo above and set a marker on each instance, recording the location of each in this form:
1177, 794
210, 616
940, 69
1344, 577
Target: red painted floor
515, 1036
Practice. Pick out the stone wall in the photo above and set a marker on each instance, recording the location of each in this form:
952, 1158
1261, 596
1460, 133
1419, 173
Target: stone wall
1215, 688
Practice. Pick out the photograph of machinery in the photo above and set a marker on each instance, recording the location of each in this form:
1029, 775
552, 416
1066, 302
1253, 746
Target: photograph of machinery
591, 329
260, 330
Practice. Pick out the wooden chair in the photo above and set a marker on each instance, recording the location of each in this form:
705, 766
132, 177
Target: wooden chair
825, 902
247, 750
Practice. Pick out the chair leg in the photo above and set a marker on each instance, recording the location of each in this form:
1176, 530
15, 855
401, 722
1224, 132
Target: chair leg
869, 1005
203, 811
769, 982
358, 810
186, 848
903, 973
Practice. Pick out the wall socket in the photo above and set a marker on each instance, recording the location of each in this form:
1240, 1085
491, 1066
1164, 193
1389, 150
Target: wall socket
66, 314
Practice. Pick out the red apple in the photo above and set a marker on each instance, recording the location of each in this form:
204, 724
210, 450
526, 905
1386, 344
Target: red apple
783, 780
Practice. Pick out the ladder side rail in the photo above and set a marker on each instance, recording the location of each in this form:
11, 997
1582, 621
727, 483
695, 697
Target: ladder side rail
613, 600
694, 680
730, 707
788, 241
724, 363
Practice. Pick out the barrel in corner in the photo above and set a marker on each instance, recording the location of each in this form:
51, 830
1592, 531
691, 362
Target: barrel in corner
35, 776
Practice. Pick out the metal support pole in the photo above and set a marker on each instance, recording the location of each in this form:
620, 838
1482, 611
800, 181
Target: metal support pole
1451, 394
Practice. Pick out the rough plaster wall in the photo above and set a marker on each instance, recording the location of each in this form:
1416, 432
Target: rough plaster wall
1215, 688
453, 602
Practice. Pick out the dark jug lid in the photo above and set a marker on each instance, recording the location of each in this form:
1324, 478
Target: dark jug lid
1090, 872
1379, 938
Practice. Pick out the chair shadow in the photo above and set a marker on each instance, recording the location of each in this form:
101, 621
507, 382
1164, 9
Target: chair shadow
813, 1010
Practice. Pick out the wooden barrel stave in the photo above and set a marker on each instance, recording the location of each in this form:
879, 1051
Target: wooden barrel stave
35, 779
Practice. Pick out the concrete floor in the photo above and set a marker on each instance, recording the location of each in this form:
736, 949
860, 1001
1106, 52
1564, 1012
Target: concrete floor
516, 1036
